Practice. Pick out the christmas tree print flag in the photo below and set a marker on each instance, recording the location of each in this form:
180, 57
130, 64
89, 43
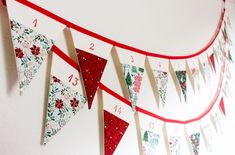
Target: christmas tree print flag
150, 141
195, 142
161, 78
133, 77
92, 68
181, 76
114, 129
31, 49
63, 103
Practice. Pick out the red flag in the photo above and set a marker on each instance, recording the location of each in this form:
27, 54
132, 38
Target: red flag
114, 129
91, 67
221, 105
212, 59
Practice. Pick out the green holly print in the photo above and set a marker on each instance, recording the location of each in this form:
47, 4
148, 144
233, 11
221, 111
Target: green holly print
31, 49
63, 103
133, 77
195, 142
181, 76
150, 141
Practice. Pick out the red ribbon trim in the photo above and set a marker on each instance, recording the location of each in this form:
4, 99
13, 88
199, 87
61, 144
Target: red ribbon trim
118, 44
60, 53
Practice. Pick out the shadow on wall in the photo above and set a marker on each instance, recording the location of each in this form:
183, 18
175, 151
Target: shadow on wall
9, 58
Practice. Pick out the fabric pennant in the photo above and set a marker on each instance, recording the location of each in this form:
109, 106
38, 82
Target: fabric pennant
114, 129
207, 132
63, 103
31, 49
226, 89
222, 107
212, 59
161, 78
195, 75
174, 145
226, 36
230, 56
181, 76
195, 142
133, 77
92, 68
150, 141
216, 118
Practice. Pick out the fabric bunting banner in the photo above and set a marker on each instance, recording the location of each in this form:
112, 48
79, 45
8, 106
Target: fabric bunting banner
114, 129
65, 98
179, 74
133, 77
159, 76
151, 135
92, 68
31, 49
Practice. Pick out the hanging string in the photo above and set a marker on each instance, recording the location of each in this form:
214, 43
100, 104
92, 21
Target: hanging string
118, 44
63, 56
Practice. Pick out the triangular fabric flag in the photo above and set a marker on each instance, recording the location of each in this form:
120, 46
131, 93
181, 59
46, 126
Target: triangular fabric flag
212, 59
92, 68
181, 76
161, 78
174, 145
195, 74
216, 118
133, 77
195, 142
230, 56
221, 105
150, 141
31, 49
114, 129
63, 103
226, 89
226, 36
208, 133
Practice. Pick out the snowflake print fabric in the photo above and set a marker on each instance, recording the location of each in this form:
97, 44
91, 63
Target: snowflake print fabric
31, 49
63, 103
161, 79
174, 145
195, 142
181, 76
150, 141
133, 77
114, 129
92, 68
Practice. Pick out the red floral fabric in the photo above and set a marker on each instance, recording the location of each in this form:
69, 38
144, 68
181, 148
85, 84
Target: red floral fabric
221, 105
212, 59
19, 53
91, 67
114, 129
59, 104
35, 50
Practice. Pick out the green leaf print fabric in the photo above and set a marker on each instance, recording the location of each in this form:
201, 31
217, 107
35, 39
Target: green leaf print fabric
63, 103
181, 76
31, 49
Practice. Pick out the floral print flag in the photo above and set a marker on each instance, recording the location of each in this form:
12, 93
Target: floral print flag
63, 103
174, 145
114, 129
31, 49
161, 79
92, 68
181, 76
133, 77
195, 142
150, 141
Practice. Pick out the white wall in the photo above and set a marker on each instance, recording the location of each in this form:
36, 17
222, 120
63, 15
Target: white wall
169, 27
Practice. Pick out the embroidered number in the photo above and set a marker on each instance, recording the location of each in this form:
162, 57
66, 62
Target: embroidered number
132, 59
35, 22
118, 109
151, 125
92, 46
73, 80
